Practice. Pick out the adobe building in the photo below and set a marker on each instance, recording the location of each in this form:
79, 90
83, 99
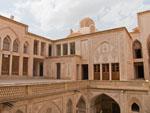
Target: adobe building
89, 71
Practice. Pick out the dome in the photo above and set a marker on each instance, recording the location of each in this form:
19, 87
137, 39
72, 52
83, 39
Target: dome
86, 22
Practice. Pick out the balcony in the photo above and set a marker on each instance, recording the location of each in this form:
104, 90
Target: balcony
14, 90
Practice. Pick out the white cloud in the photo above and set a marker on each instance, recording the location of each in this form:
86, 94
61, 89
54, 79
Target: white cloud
54, 18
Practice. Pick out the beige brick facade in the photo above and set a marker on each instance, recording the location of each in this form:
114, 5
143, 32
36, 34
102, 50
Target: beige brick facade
89, 71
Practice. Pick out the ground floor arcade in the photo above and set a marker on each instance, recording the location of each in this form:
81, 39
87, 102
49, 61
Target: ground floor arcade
75, 97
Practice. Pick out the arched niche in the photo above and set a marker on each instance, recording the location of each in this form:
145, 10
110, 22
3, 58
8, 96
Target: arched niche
81, 106
137, 49
69, 106
104, 104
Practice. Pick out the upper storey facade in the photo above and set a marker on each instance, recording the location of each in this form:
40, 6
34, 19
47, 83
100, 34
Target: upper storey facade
113, 54
20, 49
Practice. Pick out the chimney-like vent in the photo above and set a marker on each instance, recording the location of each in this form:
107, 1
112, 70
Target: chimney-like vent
12, 17
71, 31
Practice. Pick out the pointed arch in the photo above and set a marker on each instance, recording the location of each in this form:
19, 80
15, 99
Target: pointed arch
26, 47
10, 31
99, 102
135, 107
137, 49
16, 45
69, 106
7, 43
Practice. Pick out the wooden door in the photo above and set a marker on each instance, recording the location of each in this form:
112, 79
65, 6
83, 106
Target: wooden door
5, 64
105, 71
115, 71
25, 66
15, 65
96, 71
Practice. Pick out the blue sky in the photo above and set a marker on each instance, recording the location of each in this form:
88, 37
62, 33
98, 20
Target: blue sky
55, 18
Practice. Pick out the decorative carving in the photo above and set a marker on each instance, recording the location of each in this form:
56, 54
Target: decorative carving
105, 48
107, 52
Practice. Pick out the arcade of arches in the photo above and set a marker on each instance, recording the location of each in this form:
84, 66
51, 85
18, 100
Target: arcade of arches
96, 72
98, 104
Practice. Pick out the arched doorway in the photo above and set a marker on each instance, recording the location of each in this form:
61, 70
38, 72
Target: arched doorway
104, 104
81, 106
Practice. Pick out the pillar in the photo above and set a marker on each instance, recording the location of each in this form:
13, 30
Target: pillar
110, 72
30, 67
61, 50
101, 76
39, 48
0, 64
21, 66
68, 48
123, 102
46, 49
10, 66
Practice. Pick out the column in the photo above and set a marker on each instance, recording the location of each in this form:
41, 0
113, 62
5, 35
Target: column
110, 72
61, 48
123, 102
68, 48
10, 66
46, 49
38, 69
10, 61
0, 64
1, 47
30, 67
54, 53
88, 109
101, 76
39, 48
79, 73
21, 65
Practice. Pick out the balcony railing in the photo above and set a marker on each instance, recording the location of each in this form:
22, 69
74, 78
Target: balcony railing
15, 92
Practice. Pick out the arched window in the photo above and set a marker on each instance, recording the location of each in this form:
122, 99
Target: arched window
137, 49
135, 107
6, 43
69, 107
16, 46
19, 111
25, 48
